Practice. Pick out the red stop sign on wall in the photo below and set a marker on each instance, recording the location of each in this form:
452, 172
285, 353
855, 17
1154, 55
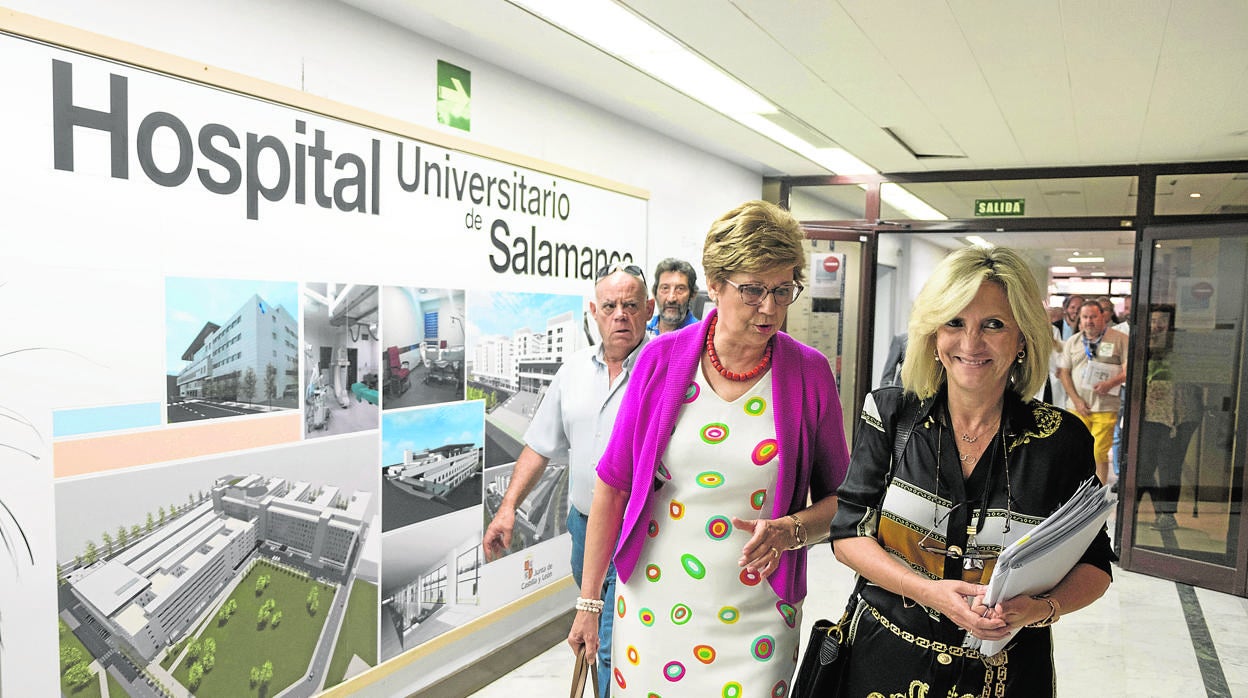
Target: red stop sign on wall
831, 263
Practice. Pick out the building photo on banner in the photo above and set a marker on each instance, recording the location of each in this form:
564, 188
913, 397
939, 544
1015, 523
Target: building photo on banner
519, 341
340, 358
270, 375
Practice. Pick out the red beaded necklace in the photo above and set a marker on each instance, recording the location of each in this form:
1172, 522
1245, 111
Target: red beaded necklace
719, 367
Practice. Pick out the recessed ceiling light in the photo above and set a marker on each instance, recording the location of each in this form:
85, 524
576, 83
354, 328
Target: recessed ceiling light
1097, 273
1086, 260
1195, 195
1063, 270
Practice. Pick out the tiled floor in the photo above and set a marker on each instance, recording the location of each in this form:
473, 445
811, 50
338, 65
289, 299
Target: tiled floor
1135, 641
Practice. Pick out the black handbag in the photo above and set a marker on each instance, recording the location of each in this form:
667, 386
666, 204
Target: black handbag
823, 666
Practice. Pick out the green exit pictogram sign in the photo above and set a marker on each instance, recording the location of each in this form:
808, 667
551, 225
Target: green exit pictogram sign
454, 96
999, 207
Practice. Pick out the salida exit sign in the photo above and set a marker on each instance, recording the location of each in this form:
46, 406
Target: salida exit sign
999, 207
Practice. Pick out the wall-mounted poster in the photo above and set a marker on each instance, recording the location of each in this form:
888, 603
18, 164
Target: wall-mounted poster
209, 304
516, 344
827, 275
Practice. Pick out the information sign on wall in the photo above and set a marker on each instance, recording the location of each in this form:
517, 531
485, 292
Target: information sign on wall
454, 96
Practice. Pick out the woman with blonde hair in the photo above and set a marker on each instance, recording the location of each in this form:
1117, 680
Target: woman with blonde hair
983, 464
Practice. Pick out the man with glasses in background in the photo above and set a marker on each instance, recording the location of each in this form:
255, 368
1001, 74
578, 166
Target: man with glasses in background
575, 419
675, 283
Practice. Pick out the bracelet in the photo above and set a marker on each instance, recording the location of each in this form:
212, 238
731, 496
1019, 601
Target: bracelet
589, 605
1055, 611
799, 533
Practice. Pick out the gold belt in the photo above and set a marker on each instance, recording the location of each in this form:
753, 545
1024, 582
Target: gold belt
995, 665
924, 643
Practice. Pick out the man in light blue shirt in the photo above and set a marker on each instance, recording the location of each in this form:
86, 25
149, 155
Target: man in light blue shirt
575, 418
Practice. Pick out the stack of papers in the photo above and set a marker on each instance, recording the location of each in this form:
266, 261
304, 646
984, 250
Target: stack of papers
1039, 560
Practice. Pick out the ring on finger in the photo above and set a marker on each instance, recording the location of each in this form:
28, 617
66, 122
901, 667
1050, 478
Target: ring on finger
775, 554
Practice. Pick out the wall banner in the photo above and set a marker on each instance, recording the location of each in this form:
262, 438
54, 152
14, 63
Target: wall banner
266, 372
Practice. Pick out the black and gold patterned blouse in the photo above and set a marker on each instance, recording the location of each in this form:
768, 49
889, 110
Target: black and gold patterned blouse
1034, 463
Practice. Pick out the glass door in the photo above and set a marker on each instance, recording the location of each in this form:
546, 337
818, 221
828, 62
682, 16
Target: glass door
1183, 497
828, 315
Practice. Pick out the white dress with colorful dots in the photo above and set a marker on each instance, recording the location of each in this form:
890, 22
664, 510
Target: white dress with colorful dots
690, 621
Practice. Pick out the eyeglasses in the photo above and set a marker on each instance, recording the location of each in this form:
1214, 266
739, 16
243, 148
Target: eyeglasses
973, 557
754, 294
609, 269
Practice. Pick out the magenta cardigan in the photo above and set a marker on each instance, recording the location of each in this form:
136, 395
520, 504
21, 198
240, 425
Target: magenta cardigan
813, 457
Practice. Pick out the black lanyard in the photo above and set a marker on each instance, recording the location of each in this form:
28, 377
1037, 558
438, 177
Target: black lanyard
954, 559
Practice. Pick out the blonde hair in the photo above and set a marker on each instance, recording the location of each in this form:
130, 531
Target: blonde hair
754, 237
951, 288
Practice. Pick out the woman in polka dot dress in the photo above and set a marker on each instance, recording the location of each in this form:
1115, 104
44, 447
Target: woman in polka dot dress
727, 451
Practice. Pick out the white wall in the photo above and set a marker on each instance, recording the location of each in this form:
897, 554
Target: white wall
335, 51
914, 259
889, 250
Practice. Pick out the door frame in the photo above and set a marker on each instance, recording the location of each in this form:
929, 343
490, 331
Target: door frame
1231, 579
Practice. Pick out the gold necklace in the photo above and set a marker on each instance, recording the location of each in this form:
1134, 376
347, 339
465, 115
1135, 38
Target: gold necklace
972, 439
972, 457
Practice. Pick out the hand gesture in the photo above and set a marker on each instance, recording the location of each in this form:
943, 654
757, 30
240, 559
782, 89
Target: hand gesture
768, 538
497, 539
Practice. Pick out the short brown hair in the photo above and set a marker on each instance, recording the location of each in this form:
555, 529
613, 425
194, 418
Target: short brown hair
754, 237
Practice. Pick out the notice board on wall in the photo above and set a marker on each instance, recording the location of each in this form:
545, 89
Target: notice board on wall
229, 464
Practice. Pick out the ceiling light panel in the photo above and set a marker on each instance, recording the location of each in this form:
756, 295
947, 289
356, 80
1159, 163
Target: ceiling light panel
908, 203
623, 34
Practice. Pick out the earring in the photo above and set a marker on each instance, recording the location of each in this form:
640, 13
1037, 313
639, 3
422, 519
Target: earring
936, 355
1022, 354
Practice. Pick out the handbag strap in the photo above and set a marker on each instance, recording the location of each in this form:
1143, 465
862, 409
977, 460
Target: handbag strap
907, 419
583, 672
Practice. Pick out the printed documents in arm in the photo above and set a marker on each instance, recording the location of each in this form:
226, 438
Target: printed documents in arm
1039, 560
